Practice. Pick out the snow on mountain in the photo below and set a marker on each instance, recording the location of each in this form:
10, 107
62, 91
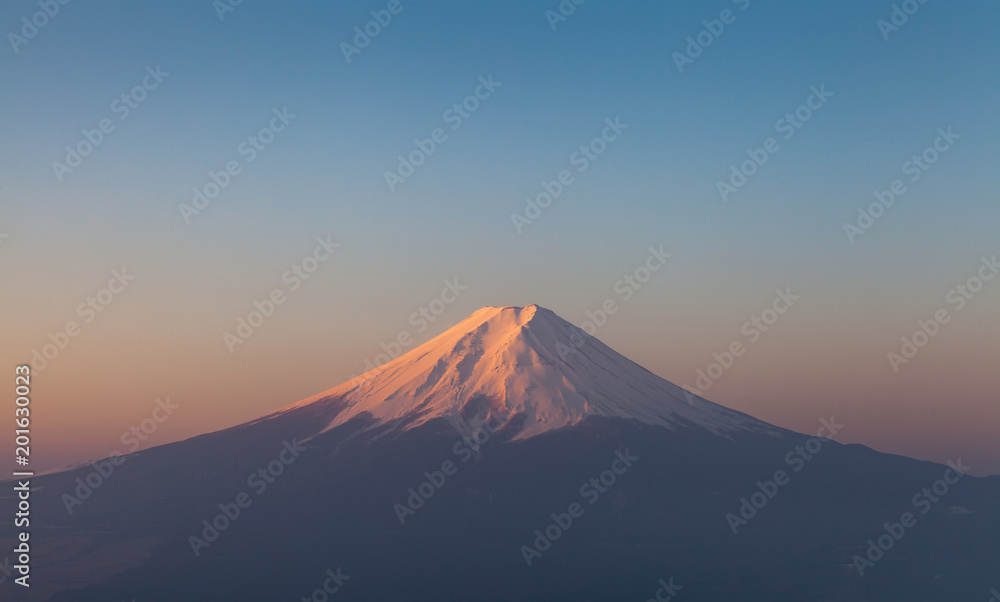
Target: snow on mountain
526, 362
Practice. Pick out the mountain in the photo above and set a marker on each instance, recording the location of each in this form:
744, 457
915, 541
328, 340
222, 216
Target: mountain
512, 457
530, 364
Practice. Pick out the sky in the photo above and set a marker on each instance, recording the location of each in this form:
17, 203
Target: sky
376, 186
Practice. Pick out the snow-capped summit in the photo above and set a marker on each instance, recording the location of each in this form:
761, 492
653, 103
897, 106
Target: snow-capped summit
526, 362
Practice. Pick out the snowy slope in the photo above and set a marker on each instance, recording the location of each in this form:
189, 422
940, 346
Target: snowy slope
525, 361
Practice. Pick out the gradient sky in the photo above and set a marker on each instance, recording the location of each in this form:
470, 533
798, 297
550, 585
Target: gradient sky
656, 185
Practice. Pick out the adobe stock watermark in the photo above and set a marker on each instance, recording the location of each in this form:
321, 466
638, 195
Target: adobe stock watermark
957, 299
364, 34
293, 277
714, 29
915, 168
454, 117
924, 501
250, 148
993, 592
420, 320
752, 329
132, 438
465, 448
899, 17
563, 11
30, 27
121, 107
591, 491
666, 592
797, 459
582, 159
787, 127
88, 310
224, 7
625, 288
259, 481
334, 581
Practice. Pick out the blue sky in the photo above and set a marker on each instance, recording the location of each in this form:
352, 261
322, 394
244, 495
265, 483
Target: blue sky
655, 185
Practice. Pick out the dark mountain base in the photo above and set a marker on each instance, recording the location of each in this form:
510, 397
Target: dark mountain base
664, 517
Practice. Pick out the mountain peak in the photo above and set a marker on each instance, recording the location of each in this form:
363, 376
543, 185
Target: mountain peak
525, 362
510, 315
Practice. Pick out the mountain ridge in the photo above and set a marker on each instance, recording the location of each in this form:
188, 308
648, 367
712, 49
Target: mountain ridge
525, 362
367, 447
